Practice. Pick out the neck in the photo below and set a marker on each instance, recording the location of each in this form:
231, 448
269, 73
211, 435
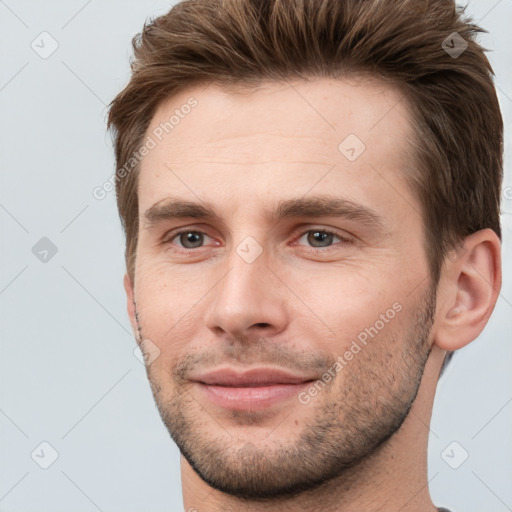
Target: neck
394, 478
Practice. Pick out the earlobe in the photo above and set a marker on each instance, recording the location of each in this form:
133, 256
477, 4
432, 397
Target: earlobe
469, 288
130, 303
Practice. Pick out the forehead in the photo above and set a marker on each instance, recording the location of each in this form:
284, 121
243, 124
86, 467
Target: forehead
322, 133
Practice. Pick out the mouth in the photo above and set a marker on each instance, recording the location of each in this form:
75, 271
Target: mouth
258, 388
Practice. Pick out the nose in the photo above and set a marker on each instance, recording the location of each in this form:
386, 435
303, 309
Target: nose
250, 300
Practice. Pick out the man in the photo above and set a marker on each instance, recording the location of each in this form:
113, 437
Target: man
310, 195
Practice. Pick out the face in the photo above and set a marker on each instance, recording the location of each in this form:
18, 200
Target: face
281, 286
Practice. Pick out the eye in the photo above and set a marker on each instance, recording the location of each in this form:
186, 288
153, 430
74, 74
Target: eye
319, 238
188, 239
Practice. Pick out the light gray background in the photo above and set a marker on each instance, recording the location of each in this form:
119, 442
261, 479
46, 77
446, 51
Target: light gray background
67, 368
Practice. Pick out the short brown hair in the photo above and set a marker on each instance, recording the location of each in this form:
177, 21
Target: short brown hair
458, 127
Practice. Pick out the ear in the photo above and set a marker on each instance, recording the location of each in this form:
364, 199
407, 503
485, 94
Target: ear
130, 303
468, 289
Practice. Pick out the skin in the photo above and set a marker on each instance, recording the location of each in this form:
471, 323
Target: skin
361, 442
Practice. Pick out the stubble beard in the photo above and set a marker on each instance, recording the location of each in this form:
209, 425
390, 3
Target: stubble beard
344, 426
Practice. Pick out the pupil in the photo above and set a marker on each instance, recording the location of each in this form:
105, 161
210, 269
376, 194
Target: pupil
320, 236
193, 238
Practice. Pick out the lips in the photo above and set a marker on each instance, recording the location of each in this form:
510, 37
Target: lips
256, 377
258, 388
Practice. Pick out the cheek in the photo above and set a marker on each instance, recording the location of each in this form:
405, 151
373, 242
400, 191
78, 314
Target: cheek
343, 302
166, 305
329, 305
171, 302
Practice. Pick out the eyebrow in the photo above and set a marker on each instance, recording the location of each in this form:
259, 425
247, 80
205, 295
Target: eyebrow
172, 208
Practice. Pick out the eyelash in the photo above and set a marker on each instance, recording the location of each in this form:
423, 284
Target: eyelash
344, 240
